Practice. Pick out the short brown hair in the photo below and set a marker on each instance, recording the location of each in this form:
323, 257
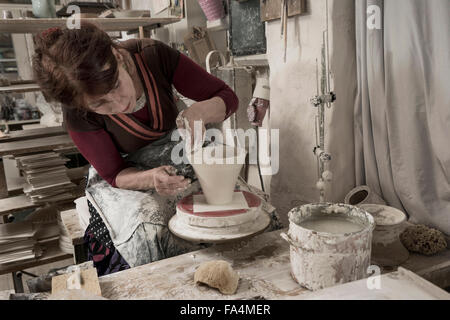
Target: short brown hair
69, 63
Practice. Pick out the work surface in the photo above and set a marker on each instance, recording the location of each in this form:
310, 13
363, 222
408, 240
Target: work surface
262, 262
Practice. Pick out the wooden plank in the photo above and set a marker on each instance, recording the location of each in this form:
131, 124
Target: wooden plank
35, 145
399, 285
435, 268
22, 202
33, 134
72, 223
51, 254
14, 204
3, 184
89, 282
31, 25
271, 9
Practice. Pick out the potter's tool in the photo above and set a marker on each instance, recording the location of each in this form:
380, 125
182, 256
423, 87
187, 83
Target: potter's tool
325, 98
219, 213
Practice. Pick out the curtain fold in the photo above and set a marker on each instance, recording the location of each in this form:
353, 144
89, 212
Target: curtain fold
402, 109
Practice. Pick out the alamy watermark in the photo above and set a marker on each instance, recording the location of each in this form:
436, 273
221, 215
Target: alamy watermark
374, 17
230, 146
374, 280
73, 22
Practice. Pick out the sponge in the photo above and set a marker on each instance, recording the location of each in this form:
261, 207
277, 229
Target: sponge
218, 274
422, 239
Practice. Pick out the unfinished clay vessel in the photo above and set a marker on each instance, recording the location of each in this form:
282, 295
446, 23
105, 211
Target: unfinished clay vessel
387, 249
217, 274
217, 168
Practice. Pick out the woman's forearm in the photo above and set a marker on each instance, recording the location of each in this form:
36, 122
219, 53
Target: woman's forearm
210, 111
134, 179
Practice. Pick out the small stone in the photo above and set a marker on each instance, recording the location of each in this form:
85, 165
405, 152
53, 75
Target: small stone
424, 240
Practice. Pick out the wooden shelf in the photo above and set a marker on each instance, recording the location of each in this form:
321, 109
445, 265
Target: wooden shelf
33, 25
32, 134
51, 254
29, 87
35, 145
11, 122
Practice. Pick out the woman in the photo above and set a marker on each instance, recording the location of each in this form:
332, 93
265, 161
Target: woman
119, 109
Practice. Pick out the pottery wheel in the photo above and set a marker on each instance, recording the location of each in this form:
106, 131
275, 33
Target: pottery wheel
219, 216
218, 235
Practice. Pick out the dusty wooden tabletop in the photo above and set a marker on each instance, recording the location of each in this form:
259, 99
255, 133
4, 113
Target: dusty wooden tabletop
263, 264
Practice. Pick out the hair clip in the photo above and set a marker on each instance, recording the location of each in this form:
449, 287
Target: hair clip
49, 31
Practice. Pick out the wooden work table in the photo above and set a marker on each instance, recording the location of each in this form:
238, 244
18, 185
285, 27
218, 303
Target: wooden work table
262, 262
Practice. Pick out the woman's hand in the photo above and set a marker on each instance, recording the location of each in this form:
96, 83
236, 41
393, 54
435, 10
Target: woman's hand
167, 183
192, 127
208, 111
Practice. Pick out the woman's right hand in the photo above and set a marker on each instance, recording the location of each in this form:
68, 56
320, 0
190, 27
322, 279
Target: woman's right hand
167, 183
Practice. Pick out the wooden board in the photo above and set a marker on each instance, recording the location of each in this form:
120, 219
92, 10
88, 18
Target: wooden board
72, 224
19, 87
35, 145
33, 134
22, 202
89, 282
52, 254
271, 9
31, 25
3, 184
262, 262
399, 285
14, 204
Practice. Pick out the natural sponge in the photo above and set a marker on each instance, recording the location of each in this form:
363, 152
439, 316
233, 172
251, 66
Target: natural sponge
422, 239
217, 274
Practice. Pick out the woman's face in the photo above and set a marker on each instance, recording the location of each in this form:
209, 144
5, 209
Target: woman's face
121, 99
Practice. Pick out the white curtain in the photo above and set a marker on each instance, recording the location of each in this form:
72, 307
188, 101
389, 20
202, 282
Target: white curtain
402, 110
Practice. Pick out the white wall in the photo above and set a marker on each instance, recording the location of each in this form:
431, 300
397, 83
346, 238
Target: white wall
293, 84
